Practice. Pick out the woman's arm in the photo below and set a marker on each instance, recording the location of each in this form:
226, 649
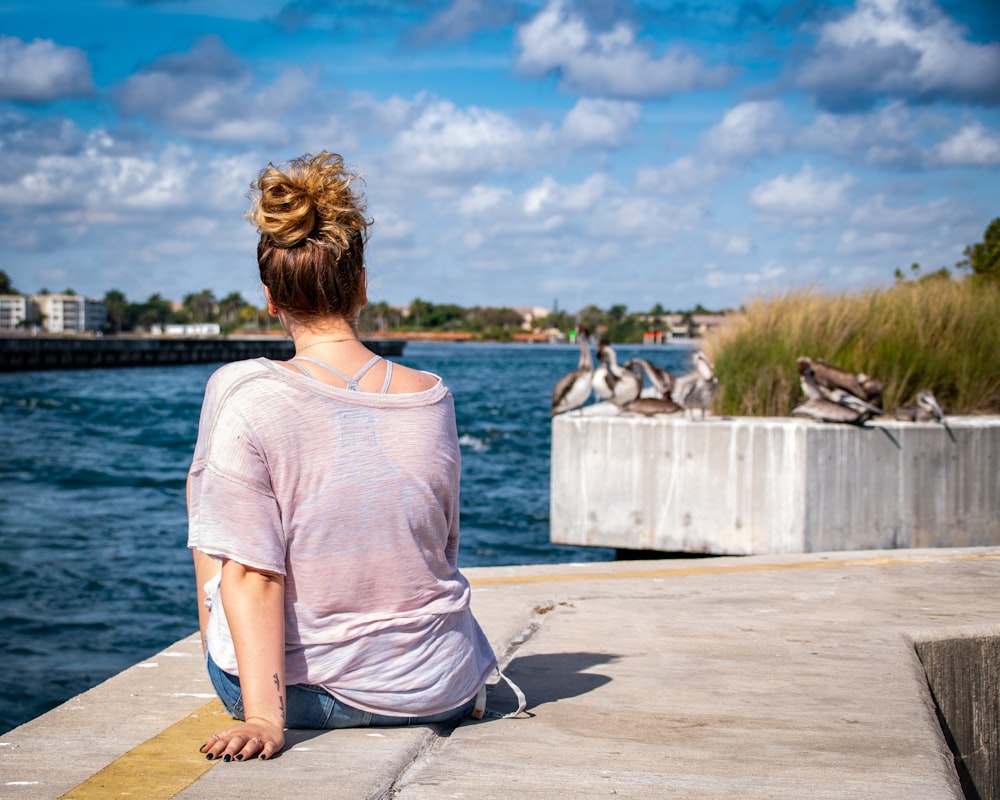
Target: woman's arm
254, 602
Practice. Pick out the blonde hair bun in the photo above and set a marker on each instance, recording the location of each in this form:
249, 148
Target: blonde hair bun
308, 198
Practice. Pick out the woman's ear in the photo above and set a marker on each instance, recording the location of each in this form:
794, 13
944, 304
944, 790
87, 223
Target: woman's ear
272, 309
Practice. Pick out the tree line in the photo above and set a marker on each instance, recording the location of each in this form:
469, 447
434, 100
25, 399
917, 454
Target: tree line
233, 312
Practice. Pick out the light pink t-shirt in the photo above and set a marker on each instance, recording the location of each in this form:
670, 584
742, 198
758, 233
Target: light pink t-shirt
354, 498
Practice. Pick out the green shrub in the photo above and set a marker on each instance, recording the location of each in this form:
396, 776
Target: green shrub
935, 333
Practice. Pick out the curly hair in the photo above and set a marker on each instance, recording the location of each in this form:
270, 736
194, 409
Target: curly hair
313, 231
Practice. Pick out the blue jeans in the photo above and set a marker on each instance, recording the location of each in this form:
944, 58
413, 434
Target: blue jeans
314, 707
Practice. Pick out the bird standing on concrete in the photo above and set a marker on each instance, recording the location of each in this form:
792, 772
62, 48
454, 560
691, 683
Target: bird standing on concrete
649, 406
625, 384
602, 379
696, 389
829, 378
830, 404
660, 378
573, 389
924, 409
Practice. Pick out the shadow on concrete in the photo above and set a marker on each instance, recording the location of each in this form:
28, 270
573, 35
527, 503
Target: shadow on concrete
550, 677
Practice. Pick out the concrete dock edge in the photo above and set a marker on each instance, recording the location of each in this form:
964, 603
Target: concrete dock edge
758, 677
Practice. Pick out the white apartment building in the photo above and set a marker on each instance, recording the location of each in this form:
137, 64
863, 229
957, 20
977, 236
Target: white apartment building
71, 313
17, 311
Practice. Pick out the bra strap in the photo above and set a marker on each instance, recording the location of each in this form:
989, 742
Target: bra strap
352, 383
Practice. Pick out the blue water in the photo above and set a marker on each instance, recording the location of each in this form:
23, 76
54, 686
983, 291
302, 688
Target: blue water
94, 572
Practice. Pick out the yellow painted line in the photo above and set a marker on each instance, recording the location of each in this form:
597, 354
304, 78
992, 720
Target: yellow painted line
161, 767
706, 567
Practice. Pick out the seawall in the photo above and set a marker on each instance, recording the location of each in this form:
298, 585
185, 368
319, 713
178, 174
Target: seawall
828, 676
19, 353
748, 485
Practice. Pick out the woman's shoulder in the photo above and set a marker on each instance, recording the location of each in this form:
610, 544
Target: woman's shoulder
406, 380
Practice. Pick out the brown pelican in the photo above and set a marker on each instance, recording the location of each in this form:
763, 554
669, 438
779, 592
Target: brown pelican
830, 405
696, 389
652, 405
925, 409
812, 389
829, 377
602, 379
573, 389
660, 378
625, 384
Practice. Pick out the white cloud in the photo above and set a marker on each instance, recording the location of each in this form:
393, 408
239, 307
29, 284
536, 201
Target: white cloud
41, 71
447, 140
208, 93
575, 198
481, 199
685, 175
603, 123
884, 136
900, 48
804, 195
607, 64
748, 130
973, 145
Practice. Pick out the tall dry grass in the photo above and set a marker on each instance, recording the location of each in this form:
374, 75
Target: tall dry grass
937, 334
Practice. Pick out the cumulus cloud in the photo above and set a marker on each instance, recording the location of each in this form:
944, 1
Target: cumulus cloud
549, 195
608, 64
460, 20
208, 93
803, 195
903, 49
973, 145
447, 140
41, 71
884, 136
748, 130
684, 175
603, 123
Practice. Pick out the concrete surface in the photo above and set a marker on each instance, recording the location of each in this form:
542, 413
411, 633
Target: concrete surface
752, 485
758, 677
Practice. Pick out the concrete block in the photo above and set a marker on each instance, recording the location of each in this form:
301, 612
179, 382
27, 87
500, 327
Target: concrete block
752, 485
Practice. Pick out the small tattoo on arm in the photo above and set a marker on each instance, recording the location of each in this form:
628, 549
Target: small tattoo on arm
277, 683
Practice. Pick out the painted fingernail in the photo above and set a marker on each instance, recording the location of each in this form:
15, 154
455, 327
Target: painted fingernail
209, 756
239, 756
227, 758
262, 757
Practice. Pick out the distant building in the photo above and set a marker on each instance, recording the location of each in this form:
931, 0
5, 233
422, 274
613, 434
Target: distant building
531, 316
17, 311
71, 313
192, 329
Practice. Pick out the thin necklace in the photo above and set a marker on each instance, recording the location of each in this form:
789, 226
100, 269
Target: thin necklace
327, 341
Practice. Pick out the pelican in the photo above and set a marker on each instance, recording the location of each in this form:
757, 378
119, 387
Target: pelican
823, 410
625, 384
602, 379
812, 389
696, 389
660, 378
830, 377
652, 405
830, 405
925, 409
573, 389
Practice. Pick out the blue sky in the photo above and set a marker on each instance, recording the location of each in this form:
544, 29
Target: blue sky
516, 153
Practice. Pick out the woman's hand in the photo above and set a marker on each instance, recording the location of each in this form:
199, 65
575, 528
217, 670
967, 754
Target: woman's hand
255, 737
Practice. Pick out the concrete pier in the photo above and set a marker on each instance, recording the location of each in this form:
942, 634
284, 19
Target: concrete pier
749, 485
789, 677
